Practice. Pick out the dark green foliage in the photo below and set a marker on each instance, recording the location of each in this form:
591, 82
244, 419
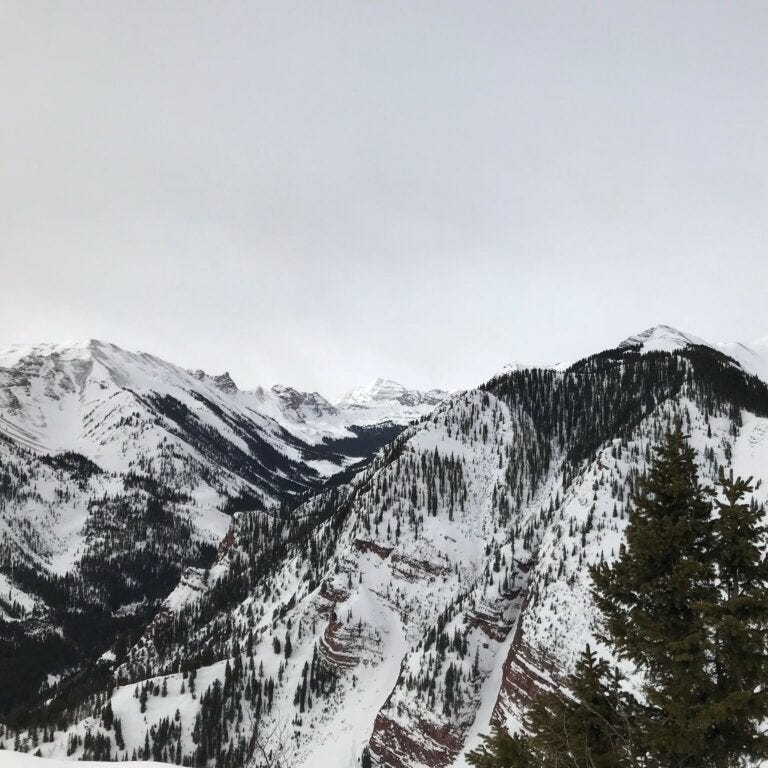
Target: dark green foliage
588, 726
652, 598
738, 623
687, 603
502, 750
564, 418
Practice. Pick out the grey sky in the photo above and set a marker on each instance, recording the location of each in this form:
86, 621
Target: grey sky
318, 193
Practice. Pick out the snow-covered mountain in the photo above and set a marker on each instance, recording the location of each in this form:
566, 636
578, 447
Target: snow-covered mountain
102, 449
752, 358
386, 400
47, 390
444, 584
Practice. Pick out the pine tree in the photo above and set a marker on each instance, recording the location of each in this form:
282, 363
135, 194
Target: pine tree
502, 750
652, 599
588, 727
739, 626
585, 726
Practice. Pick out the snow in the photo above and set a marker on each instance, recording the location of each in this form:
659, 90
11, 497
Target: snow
753, 358
661, 338
344, 736
9, 759
10, 593
490, 694
396, 602
384, 400
51, 392
95, 399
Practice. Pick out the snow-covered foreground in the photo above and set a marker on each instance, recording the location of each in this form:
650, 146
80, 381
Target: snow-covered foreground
10, 759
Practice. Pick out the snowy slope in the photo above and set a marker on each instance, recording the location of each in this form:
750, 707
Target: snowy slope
753, 357
661, 338
118, 470
48, 393
386, 400
10, 759
116, 408
444, 585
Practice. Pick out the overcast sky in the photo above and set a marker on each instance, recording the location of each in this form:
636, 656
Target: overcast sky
319, 193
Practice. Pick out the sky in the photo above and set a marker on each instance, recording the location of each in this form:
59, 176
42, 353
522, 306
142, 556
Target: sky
319, 193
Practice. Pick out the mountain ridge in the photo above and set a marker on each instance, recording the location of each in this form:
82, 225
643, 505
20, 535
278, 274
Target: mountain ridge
99, 446
442, 583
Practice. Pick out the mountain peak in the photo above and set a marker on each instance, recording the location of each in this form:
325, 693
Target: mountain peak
12, 355
303, 405
224, 382
382, 391
661, 338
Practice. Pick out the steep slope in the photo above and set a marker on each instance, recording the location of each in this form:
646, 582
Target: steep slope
751, 358
446, 583
118, 470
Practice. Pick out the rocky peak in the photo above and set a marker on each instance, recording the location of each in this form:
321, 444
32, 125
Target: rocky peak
225, 383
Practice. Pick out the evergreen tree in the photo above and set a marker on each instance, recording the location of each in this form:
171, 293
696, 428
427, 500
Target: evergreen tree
587, 726
502, 750
653, 600
739, 627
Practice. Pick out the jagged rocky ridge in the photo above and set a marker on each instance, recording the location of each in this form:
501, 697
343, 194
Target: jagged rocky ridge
119, 470
446, 583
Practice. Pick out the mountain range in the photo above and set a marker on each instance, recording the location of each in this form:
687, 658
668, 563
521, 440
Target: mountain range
196, 574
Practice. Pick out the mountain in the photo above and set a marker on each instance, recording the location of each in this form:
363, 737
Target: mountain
118, 470
445, 583
386, 400
752, 358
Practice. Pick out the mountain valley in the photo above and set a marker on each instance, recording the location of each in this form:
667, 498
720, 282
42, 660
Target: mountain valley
220, 577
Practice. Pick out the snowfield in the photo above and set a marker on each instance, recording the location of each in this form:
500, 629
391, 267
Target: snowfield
10, 759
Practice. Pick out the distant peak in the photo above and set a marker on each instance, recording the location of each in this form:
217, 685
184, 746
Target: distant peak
284, 389
287, 393
661, 338
302, 404
67, 350
225, 383
382, 391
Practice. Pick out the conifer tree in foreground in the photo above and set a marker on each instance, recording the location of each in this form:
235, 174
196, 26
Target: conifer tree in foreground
652, 601
739, 625
503, 750
585, 727
687, 603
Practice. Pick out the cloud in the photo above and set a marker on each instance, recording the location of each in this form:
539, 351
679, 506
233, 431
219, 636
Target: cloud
322, 193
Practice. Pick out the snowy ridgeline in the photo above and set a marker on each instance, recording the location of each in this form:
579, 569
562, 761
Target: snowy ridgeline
88, 428
120, 473
444, 584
